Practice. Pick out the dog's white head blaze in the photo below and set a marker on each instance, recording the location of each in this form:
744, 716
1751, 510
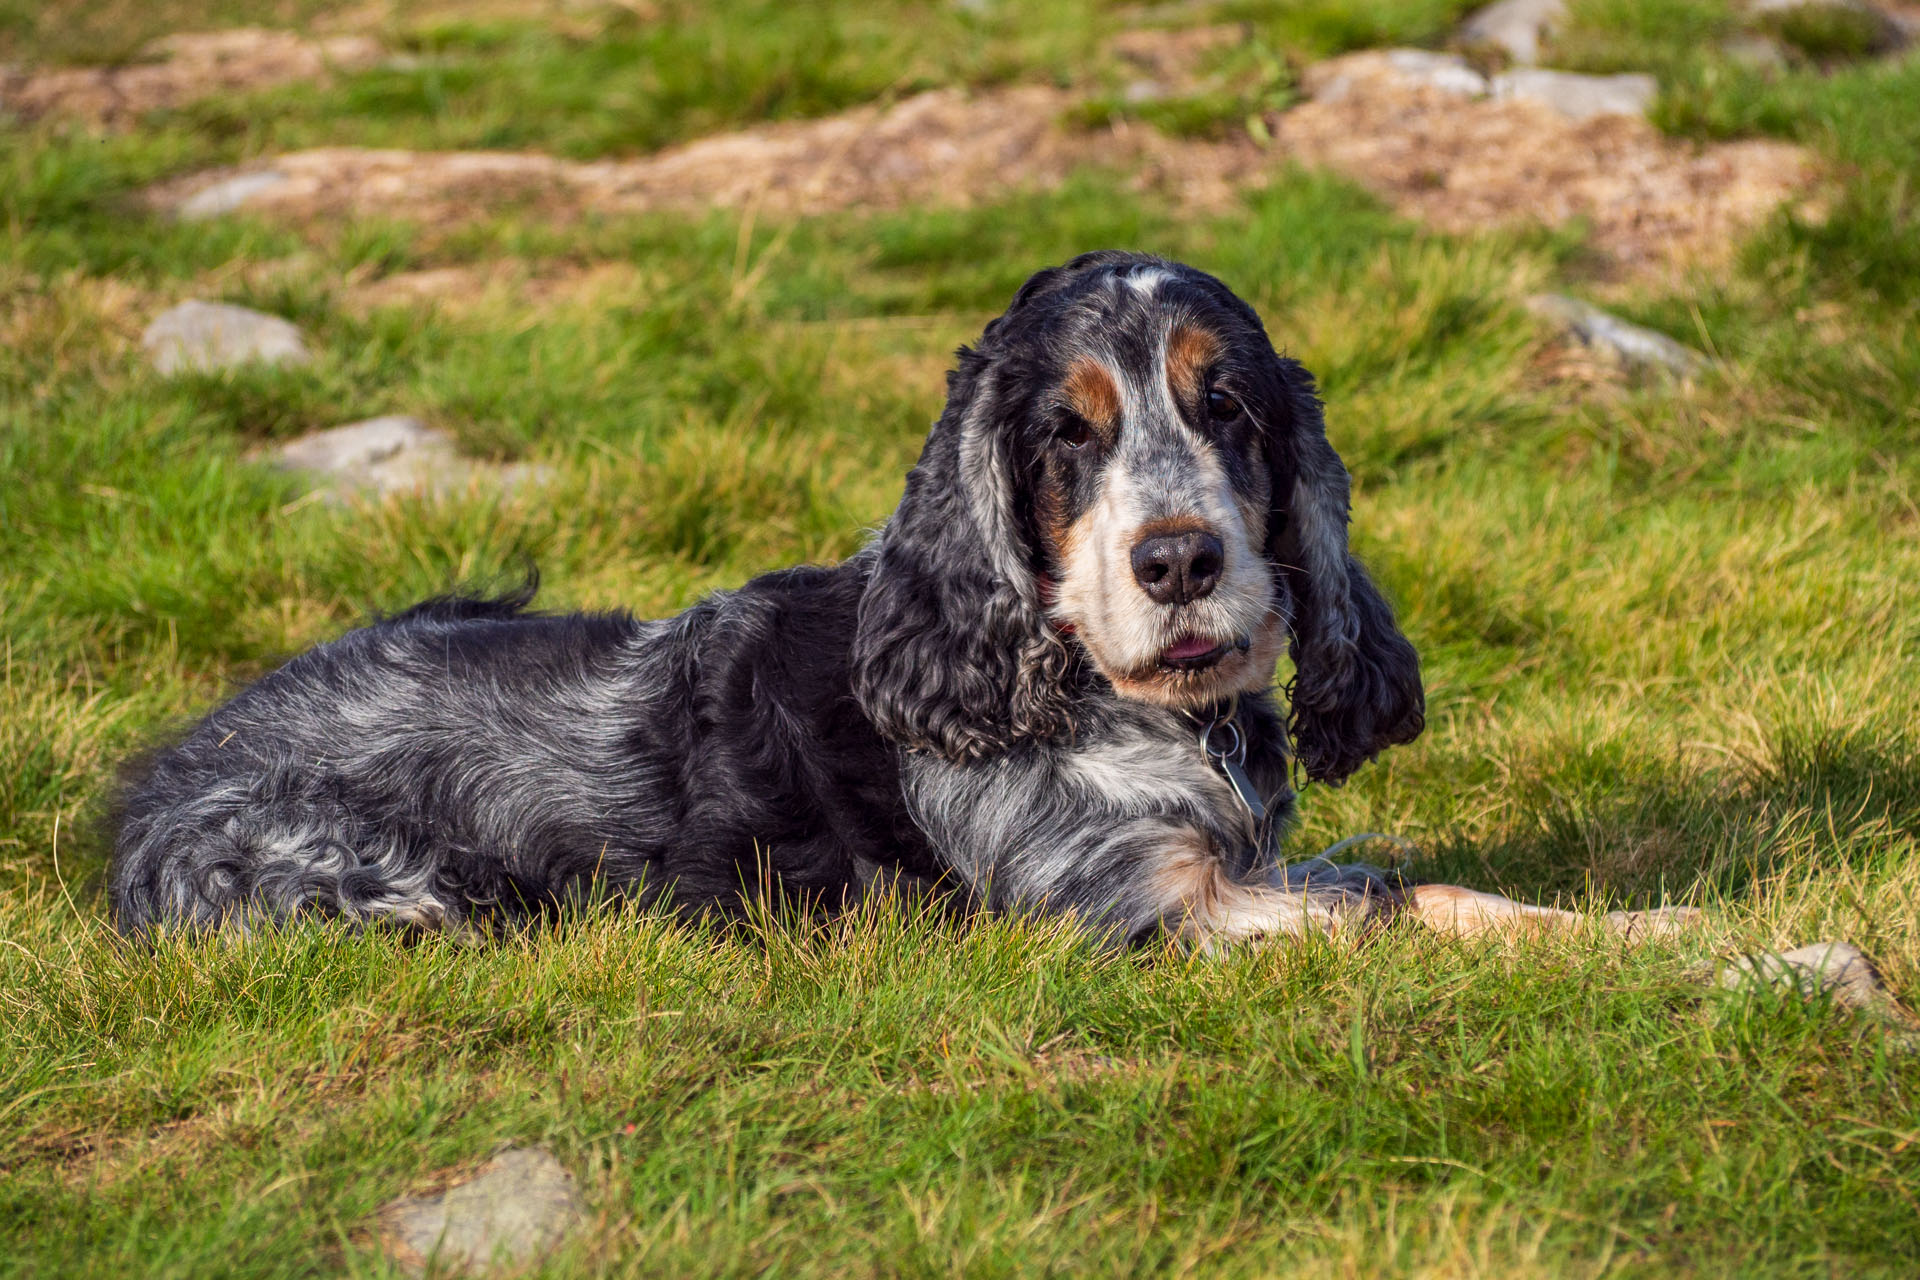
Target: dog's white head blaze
1155, 522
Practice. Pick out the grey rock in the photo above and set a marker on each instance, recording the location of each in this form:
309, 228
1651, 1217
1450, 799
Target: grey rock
1610, 336
382, 453
516, 1208
211, 336
1579, 97
1515, 26
1448, 72
1139, 91
394, 454
227, 195
1415, 68
1837, 969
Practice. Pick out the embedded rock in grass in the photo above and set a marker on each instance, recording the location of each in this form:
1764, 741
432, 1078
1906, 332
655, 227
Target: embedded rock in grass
1395, 69
1579, 97
394, 454
1615, 339
227, 195
1836, 969
206, 337
515, 1209
1516, 27
183, 68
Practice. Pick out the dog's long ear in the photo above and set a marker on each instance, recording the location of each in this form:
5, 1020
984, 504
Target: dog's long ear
1356, 684
952, 651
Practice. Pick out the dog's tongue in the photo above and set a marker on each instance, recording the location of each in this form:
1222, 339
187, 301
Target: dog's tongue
1191, 647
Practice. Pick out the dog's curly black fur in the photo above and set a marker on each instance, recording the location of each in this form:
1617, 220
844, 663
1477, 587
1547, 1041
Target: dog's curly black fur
990, 694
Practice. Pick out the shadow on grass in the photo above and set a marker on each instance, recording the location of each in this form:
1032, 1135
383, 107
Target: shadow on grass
1608, 823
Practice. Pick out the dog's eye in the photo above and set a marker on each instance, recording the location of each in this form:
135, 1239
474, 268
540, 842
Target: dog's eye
1074, 433
1222, 407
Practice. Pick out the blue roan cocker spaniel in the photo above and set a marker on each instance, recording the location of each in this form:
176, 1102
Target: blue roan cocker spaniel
1046, 684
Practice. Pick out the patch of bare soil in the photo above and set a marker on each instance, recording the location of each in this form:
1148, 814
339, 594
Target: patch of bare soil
1452, 160
181, 69
940, 147
1461, 163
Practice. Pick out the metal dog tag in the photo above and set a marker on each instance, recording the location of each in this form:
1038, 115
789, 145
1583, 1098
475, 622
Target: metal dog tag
1243, 787
1229, 761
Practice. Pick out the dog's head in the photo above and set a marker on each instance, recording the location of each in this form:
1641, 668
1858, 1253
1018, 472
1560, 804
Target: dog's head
1127, 473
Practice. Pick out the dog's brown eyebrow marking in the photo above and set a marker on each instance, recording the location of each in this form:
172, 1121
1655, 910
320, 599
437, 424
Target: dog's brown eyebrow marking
1092, 393
1191, 351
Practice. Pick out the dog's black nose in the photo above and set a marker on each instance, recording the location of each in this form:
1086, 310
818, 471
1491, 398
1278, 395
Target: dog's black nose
1178, 568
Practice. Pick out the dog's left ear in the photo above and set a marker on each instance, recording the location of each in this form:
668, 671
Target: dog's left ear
952, 652
1356, 684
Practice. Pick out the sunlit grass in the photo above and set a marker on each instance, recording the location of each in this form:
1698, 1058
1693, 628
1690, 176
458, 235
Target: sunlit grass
1669, 636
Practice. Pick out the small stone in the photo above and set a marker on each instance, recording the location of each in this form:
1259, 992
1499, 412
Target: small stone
1627, 344
227, 195
1140, 91
1407, 68
1837, 969
207, 337
1448, 72
516, 1208
1579, 97
362, 446
393, 454
1514, 26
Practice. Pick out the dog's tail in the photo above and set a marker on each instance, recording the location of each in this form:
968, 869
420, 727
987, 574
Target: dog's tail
463, 607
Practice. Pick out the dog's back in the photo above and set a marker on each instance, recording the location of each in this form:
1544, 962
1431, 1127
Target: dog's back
467, 758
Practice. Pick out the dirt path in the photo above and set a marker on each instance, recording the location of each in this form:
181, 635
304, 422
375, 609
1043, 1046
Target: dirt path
1448, 156
1650, 203
1461, 162
939, 147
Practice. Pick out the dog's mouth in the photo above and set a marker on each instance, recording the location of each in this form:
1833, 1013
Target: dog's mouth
1200, 653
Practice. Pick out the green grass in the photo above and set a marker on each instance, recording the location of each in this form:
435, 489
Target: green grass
899, 1095
1669, 634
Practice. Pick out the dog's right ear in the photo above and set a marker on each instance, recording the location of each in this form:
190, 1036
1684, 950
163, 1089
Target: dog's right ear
952, 652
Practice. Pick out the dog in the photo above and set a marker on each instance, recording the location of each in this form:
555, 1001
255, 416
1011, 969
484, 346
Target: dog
1046, 684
